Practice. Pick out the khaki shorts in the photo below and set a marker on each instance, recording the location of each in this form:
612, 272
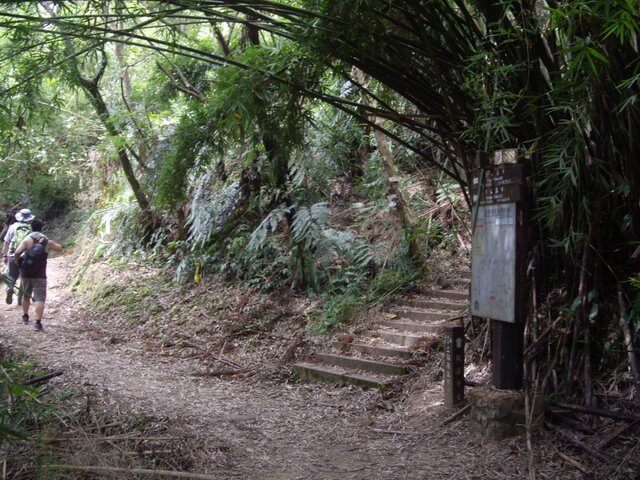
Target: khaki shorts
36, 288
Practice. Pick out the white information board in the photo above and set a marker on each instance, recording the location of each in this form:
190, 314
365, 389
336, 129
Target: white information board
493, 263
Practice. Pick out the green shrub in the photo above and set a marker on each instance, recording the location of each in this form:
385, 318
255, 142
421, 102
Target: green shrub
19, 406
338, 311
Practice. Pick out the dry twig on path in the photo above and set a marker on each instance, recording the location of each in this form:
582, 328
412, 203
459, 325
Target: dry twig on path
572, 461
136, 471
456, 415
225, 372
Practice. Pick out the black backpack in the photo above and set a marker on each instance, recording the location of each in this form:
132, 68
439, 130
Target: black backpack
33, 259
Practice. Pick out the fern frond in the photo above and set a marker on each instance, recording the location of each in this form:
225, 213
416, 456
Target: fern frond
309, 222
270, 224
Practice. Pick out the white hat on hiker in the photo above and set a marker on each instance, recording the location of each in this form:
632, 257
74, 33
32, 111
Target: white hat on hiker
24, 215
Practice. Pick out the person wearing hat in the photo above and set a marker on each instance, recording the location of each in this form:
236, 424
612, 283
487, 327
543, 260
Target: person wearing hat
16, 233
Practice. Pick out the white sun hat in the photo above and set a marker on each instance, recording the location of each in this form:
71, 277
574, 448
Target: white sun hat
24, 215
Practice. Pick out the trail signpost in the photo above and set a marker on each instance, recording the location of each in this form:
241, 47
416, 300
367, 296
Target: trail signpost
498, 260
453, 365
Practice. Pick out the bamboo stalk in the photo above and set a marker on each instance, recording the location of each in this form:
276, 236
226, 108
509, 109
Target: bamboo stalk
533, 346
531, 471
579, 318
628, 342
560, 416
586, 320
599, 412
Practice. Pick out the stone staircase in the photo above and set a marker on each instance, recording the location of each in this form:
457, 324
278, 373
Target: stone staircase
393, 346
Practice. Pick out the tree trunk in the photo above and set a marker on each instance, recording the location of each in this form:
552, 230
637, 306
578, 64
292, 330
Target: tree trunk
90, 86
125, 163
402, 209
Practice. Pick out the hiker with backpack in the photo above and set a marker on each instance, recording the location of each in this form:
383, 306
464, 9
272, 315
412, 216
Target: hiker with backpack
14, 236
31, 255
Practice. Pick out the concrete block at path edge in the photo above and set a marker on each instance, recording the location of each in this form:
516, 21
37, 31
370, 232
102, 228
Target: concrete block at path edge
499, 414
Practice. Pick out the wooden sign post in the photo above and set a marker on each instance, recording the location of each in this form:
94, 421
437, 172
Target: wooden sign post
453, 365
498, 260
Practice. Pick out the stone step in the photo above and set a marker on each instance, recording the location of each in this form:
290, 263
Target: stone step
434, 328
420, 315
331, 374
363, 364
375, 350
402, 339
459, 283
456, 295
434, 304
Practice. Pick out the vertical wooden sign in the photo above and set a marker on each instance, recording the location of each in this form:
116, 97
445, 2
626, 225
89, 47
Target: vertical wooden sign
453, 365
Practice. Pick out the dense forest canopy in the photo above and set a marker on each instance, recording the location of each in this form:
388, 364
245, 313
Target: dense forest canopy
231, 123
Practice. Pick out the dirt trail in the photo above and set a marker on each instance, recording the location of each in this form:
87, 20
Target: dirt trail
262, 429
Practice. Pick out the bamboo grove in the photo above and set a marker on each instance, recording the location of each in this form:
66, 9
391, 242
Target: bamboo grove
559, 81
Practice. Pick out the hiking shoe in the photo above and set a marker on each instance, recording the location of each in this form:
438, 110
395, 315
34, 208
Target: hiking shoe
25, 318
38, 325
9, 297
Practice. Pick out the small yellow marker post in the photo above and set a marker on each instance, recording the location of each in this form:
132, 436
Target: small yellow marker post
196, 275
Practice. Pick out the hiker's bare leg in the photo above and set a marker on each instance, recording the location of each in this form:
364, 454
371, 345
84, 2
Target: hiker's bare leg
39, 307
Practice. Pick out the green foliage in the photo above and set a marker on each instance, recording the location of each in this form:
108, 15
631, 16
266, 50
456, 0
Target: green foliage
320, 256
347, 261
306, 226
308, 223
191, 137
391, 283
242, 107
114, 230
19, 406
53, 195
373, 184
210, 208
335, 144
36, 169
265, 269
354, 287
353, 291
271, 223
338, 311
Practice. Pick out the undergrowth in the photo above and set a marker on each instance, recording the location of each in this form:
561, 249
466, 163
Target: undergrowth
46, 427
20, 407
342, 306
